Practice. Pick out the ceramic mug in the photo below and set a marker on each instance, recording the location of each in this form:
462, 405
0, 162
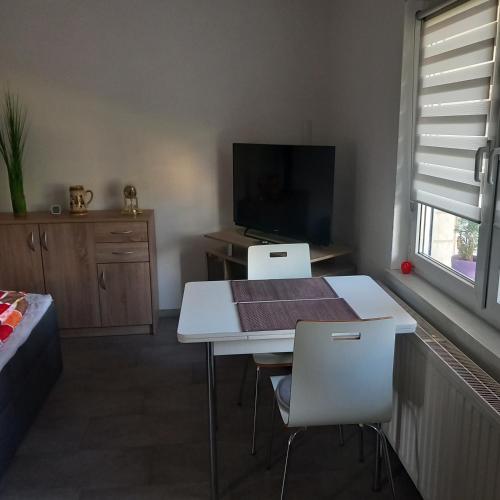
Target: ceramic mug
77, 202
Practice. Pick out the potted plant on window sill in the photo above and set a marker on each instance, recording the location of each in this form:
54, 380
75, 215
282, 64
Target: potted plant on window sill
468, 235
12, 141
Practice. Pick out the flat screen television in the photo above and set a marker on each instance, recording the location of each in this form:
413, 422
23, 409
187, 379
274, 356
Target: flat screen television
284, 190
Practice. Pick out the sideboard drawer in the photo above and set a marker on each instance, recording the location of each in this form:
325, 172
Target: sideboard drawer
120, 232
122, 252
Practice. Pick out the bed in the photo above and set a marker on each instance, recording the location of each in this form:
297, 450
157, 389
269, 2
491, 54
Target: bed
30, 364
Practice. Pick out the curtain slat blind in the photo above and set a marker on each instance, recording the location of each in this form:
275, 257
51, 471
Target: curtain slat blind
457, 59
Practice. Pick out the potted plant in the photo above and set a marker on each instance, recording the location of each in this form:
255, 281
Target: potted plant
467, 239
12, 140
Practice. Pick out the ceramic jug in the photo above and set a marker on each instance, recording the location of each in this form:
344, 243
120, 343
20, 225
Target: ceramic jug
77, 200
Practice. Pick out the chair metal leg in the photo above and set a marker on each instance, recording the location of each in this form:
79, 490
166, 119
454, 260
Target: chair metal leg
256, 401
385, 451
270, 452
382, 449
376, 473
214, 389
287, 459
361, 448
341, 435
243, 380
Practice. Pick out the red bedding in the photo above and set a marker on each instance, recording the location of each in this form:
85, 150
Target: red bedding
13, 305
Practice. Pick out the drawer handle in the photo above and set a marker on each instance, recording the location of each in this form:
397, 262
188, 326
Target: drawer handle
124, 252
122, 232
102, 280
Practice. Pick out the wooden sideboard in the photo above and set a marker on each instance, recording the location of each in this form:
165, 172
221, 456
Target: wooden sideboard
100, 268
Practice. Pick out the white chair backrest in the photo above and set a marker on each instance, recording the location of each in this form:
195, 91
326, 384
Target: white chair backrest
291, 260
342, 372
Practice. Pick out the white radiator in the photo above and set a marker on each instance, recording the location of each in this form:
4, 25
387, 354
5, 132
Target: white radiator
446, 421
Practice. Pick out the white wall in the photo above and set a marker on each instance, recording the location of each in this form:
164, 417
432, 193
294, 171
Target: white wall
154, 93
367, 48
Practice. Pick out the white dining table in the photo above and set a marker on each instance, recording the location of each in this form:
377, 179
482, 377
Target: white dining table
209, 315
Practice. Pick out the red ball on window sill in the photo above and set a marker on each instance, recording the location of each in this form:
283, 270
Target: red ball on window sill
406, 267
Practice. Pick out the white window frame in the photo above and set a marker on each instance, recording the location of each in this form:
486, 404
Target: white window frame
471, 295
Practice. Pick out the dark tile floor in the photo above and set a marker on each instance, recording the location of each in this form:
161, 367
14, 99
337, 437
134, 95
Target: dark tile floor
127, 420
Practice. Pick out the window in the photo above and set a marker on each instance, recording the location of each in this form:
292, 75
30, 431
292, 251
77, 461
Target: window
454, 154
448, 241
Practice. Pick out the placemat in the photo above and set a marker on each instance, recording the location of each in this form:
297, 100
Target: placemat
283, 315
282, 289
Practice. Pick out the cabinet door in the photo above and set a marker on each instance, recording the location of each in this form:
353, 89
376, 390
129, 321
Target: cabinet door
20, 258
70, 272
125, 293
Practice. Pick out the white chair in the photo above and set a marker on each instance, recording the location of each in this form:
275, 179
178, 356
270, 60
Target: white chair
273, 262
269, 262
342, 374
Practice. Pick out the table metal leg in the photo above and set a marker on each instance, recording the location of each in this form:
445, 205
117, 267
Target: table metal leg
212, 422
243, 380
214, 386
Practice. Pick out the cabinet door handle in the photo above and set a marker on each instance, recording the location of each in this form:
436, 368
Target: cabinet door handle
45, 242
102, 280
31, 241
122, 232
124, 252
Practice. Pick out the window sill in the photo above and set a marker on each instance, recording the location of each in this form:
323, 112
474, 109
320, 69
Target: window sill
476, 338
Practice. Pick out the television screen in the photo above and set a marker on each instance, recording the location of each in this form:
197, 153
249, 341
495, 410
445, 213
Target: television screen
284, 190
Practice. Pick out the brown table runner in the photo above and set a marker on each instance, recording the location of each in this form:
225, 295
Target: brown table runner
283, 315
282, 289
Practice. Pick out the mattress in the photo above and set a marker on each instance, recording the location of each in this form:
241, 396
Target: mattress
26, 379
38, 305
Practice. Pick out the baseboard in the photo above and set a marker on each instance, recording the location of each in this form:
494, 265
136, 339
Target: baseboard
169, 313
105, 331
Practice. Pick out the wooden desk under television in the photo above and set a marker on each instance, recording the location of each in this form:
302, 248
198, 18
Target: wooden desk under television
228, 259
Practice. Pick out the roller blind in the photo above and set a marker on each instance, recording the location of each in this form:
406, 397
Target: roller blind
454, 104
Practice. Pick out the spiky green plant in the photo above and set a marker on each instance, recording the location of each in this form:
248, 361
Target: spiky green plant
12, 142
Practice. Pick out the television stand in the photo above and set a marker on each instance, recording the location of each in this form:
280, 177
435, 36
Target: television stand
228, 258
266, 238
